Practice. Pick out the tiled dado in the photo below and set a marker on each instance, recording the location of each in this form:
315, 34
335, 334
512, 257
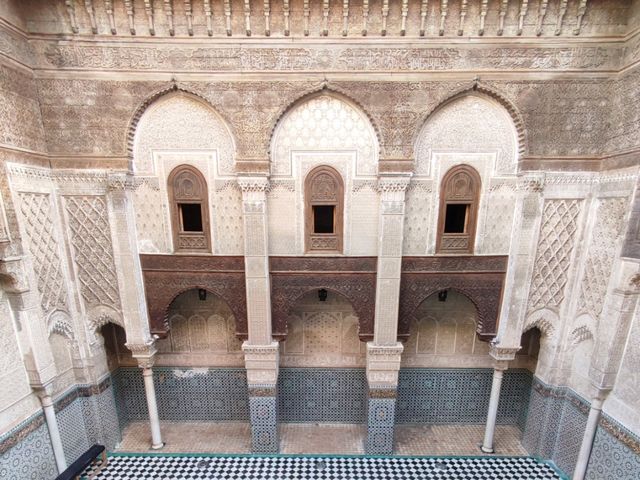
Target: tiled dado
86, 415
555, 427
460, 395
184, 394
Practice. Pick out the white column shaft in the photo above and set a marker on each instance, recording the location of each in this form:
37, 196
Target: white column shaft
494, 400
587, 440
54, 433
152, 404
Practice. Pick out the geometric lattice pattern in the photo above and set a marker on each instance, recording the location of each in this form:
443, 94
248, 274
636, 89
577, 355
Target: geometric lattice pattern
557, 240
138, 467
93, 252
599, 260
459, 396
219, 394
320, 124
322, 395
38, 224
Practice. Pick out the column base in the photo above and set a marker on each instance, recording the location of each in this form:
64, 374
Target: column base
158, 446
263, 411
380, 421
486, 450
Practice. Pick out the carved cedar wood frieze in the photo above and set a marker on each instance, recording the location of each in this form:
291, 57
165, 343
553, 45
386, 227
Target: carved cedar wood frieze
479, 278
167, 276
352, 277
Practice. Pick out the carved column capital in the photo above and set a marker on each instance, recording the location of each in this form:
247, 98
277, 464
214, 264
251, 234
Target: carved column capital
261, 362
502, 355
16, 275
144, 353
383, 364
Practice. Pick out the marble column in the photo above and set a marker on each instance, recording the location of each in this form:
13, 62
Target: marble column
54, 431
587, 440
501, 357
384, 353
145, 355
260, 351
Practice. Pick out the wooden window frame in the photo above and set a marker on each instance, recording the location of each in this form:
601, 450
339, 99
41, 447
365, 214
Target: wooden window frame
186, 241
459, 243
324, 242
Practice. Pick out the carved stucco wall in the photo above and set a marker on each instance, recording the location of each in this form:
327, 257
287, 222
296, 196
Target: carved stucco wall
202, 334
323, 334
479, 132
624, 402
16, 400
182, 129
19, 111
398, 108
323, 130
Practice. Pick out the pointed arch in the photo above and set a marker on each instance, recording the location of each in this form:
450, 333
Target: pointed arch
488, 93
318, 92
159, 95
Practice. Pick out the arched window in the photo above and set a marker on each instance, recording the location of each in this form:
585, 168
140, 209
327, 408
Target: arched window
189, 210
324, 200
459, 198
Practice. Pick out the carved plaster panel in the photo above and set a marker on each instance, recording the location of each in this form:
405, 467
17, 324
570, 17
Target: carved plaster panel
93, 250
468, 124
181, 122
37, 218
601, 254
324, 123
553, 255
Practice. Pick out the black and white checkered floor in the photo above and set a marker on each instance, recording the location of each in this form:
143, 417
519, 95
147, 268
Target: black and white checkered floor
168, 467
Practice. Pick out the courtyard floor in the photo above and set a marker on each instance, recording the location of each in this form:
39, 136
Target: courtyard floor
305, 438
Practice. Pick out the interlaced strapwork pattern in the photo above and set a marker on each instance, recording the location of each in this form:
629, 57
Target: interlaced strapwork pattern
93, 252
608, 227
556, 243
37, 215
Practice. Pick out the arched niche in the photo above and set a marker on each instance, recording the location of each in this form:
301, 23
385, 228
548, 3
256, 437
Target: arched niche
180, 128
442, 333
323, 332
201, 326
323, 129
179, 121
114, 339
471, 123
543, 323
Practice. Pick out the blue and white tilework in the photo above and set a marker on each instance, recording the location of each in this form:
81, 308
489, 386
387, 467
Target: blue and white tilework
264, 424
555, 428
380, 421
460, 395
73, 430
322, 395
190, 394
31, 458
611, 458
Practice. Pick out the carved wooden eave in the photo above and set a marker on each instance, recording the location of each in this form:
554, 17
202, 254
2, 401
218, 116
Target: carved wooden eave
398, 18
479, 278
354, 278
167, 276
